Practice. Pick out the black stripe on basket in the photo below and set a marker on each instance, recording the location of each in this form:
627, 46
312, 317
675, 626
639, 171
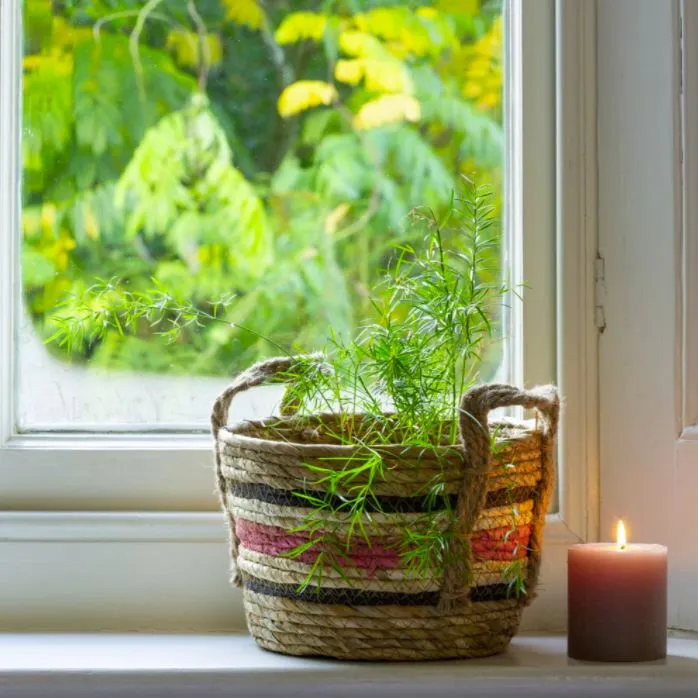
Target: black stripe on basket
387, 504
509, 495
360, 597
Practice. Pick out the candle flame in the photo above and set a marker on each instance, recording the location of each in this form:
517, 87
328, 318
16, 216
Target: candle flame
621, 537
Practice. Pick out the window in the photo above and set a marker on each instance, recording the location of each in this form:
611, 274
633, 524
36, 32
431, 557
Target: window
226, 148
134, 468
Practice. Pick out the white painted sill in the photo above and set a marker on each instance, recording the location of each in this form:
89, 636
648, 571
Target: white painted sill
211, 665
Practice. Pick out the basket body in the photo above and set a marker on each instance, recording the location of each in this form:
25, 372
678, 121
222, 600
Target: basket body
375, 608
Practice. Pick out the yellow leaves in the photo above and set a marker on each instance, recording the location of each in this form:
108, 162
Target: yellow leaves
423, 32
349, 71
484, 73
358, 43
490, 44
387, 109
387, 76
59, 252
57, 41
43, 224
245, 12
189, 51
55, 60
33, 62
301, 26
56, 54
305, 94
381, 75
386, 22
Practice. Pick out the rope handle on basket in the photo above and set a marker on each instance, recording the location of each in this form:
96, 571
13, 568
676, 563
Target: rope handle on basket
263, 372
270, 370
475, 405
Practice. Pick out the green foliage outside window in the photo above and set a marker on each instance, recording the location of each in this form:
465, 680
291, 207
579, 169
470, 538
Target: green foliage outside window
266, 150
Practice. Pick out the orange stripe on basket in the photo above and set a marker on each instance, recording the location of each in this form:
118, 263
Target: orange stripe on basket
503, 543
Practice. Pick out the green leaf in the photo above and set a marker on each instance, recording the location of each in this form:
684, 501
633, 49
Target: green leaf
482, 138
37, 271
182, 186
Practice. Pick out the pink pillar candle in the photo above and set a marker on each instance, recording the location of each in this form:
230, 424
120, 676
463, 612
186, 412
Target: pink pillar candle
617, 602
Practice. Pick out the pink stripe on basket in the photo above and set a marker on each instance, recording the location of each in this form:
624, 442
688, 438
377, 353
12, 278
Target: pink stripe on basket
502, 543
272, 540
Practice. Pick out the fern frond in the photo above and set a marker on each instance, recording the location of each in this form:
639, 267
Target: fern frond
424, 170
181, 184
482, 137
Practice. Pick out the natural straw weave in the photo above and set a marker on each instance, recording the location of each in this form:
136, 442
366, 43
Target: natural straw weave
376, 609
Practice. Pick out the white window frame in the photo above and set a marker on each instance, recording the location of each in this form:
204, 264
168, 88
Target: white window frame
648, 216
114, 517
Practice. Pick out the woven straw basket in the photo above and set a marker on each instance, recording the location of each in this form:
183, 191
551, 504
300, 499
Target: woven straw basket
374, 608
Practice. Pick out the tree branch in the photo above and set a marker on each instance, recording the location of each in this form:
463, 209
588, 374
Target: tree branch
285, 130
204, 55
134, 48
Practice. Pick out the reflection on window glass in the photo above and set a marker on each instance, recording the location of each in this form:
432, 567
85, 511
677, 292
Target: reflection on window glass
268, 150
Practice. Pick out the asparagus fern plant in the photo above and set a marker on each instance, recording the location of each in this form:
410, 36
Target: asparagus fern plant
403, 373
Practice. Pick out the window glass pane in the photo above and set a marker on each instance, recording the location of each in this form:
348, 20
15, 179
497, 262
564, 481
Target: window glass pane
268, 152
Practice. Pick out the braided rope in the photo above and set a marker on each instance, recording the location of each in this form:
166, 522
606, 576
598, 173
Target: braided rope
475, 435
258, 374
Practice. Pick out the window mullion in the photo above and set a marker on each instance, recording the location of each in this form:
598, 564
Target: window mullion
10, 205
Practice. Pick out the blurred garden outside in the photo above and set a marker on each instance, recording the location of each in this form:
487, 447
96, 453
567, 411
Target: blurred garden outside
266, 150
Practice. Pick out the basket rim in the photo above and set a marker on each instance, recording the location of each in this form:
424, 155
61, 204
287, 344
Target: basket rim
519, 431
